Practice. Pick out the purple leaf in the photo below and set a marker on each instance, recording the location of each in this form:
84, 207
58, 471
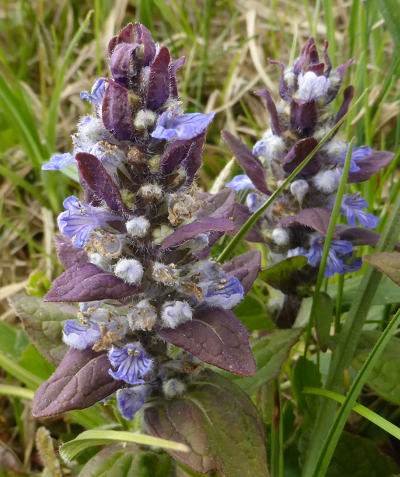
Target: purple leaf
116, 111
120, 63
283, 89
68, 254
126, 35
217, 337
298, 153
273, 113
173, 69
248, 161
218, 205
303, 115
386, 262
80, 381
219, 423
187, 152
99, 181
358, 235
316, 218
244, 267
181, 421
149, 48
370, 166
348, 95
200, 226
158, 88
87, 283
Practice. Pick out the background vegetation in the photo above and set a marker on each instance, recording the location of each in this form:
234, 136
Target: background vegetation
50, 51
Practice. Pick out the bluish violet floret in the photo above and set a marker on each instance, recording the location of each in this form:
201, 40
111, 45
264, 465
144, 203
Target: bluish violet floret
131, 361
358, 154
352, 206
80, 219
81, 335
59, 161
226, 293
241, 182
339, 252
131, 400
173, 125
96, 94
260, 148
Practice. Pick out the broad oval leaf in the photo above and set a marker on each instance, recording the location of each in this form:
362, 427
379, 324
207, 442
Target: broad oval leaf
67, 253
127, 461
43, 323
388, 263
270, 352
316, 218
217, 337
86, 282
283, 275
158, 85
220, 424
80, 381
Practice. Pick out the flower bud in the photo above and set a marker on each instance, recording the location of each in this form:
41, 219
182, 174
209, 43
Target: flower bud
129, 270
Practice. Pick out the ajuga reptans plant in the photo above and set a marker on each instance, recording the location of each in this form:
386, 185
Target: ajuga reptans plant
135, 245
297, 222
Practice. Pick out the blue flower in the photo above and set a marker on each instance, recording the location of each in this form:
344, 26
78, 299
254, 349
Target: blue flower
175, 125
352, 206
358, 154
58, 161
131, 361
253, 202
241, 182
96, 95
260, 148
80, 219
225, 293
131, 400
80, 335
334, 264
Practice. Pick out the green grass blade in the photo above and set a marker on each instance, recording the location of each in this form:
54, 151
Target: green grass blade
328, 240
55, 100
26, 377
348, 340
363, 411
100, 437
225, 254
351, 397
16, 391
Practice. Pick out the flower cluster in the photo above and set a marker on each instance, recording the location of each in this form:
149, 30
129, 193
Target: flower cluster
297, 222
136, 247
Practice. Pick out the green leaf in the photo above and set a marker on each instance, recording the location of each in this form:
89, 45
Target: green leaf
283, 275
38, 284
127, 461
252, 313
323, 317
306, 374
33, 361
386, 262
44, 322
357, 456
270, 353
97, 438
220, 424
12, 341
387, 292
385, 376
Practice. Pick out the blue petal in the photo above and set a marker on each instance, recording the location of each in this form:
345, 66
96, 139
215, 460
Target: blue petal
226, 293
260, 148
241, 182
79, 335
171, 125
353, 266
342, 247
97, 93
131, 400
252, 202
59, 161
131, 361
